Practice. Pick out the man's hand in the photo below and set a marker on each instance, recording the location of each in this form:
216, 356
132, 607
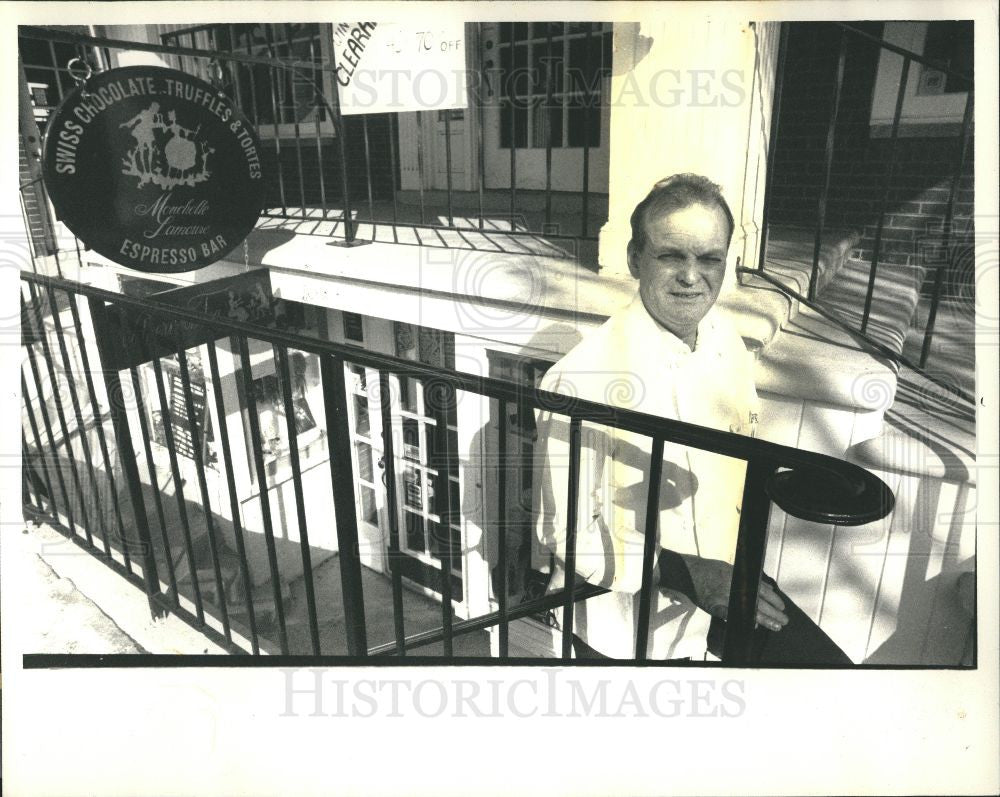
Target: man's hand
711, 579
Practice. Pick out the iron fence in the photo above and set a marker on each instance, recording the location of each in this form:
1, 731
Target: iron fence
948, 237
322, 158
804, 484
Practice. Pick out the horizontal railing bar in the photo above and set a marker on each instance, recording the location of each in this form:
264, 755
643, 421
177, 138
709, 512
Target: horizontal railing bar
484, 621
895, 48
701, 437
36, 32
484, 231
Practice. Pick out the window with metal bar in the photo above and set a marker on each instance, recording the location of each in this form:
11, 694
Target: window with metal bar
278, 97
45, 69
424, 538
307, 399
950, 44
551, 76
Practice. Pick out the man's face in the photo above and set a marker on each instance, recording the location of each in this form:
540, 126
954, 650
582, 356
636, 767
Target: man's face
680, 268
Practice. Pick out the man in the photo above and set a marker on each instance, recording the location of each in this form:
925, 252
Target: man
668, 353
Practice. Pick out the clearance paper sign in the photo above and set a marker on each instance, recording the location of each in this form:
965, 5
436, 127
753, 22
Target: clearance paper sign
385, 67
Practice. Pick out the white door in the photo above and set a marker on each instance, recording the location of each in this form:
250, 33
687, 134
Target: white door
364, 413
518, 61
434, 129
364, 416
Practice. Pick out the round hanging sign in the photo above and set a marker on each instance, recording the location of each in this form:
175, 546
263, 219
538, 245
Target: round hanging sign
153, 169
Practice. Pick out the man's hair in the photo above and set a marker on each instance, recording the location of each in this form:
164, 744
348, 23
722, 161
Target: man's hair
677, 192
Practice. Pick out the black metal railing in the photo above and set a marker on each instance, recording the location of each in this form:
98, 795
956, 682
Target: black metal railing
945, 232
131, 330
323, 158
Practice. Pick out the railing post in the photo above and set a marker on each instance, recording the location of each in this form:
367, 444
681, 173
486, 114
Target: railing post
947, 242
440, 398
548, 126
748, 565
340, 129
886, 188
585, 209
573, 492
345, 514
831, 132
501, 526
392, 509
126, 452
779, 82
511, 90
285, 377
649, 548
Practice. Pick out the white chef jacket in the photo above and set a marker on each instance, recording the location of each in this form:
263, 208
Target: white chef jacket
634, 363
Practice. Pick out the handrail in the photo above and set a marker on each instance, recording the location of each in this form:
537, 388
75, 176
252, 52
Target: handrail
326, 105
882, 210
805, 484
689, 434
68, 37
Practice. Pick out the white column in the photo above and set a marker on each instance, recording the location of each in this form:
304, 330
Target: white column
148, 34
690, 97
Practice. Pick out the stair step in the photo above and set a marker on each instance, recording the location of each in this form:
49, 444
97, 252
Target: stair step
792, 249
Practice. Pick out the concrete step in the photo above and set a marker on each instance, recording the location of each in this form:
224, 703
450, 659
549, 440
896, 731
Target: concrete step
791, 250
894, 300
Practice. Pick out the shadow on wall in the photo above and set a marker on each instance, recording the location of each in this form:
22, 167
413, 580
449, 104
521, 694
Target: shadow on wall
484, 453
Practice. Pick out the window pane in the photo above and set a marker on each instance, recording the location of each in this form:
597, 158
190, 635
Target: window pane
362, 424
514, 77
583, 119
411, 439
353, 328
440, 536
364, 461
539, 30
359, 376
545, 122
369, 512
414, 531
456, 503
407, 394
520, 126
411, 489
431, 447
453, 450
543, 65
43, 88
35, 52
584, 68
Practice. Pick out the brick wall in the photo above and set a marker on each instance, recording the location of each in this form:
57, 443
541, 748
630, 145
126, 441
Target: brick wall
918, 192
323, 159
